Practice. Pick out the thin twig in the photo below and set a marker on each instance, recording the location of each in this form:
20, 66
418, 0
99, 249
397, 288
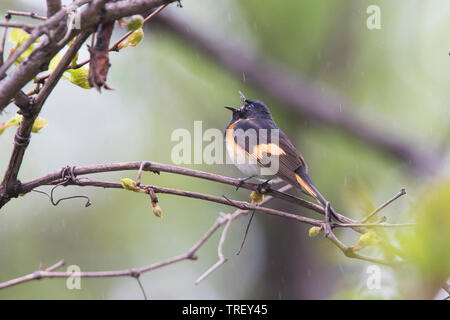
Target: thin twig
31, 15
384, 205
189, 255
19, 51
2, 43
240, 205
26, 27
115, 46
246, 232
222, 258
373, 225
138, 279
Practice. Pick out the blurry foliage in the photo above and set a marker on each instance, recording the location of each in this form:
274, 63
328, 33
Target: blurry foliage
427, 246
19, 37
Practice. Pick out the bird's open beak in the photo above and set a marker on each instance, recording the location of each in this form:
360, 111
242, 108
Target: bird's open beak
231, 108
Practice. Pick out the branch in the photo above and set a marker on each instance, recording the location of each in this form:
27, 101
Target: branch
93, 14
31, 15
136, 272
59, 178
222, 258
243, 207
10, 184
384, 205
159, 167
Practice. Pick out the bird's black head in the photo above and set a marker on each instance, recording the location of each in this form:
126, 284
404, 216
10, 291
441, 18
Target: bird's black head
250, 109
255, 109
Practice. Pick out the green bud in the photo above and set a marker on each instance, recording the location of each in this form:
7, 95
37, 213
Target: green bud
130, 184
367, 239
314, 231
256, 197
134, 22
157, 211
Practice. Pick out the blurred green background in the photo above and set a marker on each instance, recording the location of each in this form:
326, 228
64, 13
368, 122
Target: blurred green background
397, 77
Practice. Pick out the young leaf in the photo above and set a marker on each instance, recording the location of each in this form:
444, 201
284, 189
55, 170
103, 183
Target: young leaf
18, 36
130, 184
133, 40
79, 77
54, 62
39, 124
367, 239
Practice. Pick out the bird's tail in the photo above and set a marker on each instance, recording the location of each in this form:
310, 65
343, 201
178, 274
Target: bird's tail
306, 183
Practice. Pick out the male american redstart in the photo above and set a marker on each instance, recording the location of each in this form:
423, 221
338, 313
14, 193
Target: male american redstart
255, 116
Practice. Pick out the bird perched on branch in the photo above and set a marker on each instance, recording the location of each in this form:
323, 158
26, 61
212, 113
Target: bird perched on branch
259, 149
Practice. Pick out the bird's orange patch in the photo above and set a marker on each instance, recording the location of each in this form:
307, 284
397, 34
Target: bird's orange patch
305, 186
232, 144
269, 148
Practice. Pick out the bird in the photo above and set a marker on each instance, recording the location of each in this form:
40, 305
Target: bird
255, 116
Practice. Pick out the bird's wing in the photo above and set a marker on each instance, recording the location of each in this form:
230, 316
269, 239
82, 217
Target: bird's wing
293, 168
263, 149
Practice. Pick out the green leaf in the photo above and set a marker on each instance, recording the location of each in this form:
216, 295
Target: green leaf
133, 40
79, 77
256, 197
427, 245
38, 124
18, 36
54, 62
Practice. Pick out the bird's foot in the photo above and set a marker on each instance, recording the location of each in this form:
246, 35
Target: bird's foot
327, 223
241, 181
263, 187
326, 226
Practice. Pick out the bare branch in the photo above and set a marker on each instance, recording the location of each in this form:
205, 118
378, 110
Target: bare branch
222, 259
91, 15
384, 205
10, 184
23, 26
31, 15
189, 255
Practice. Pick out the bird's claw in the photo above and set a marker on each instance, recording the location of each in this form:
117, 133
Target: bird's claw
326, 226
263, 187
241, 182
